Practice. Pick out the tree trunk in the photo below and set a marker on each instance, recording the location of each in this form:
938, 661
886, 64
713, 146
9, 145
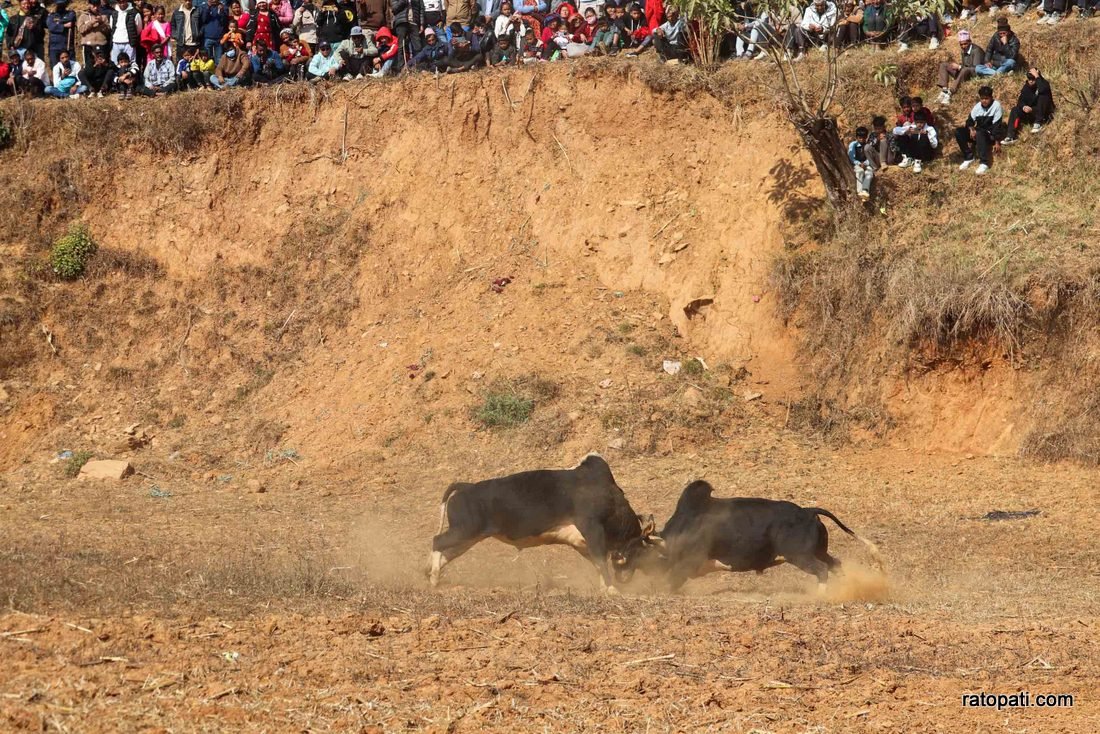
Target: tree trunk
822, 139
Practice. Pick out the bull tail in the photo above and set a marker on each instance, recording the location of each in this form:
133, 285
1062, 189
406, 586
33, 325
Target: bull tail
876, 557
443, 504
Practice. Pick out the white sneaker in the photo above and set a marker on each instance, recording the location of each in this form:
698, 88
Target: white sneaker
760, 56
1008, 141
903, 46
358, 76
906, 161
864, 195
945, 97
1037, 127
965, 164
75, 96
348, 77
916, 167
376, 74
1043, 20
1054, 19
934, 43
964, 15
981, 170
99, 94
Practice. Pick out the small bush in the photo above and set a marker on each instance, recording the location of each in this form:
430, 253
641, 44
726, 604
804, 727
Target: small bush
75, 463
7, 135
70, 254
693, 367
504, 409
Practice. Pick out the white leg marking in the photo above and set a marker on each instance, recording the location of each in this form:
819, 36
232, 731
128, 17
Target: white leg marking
437, 562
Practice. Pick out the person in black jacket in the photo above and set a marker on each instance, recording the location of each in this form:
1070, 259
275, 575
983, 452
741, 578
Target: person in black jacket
187, 27
408, 20
61, 24
1035, 105
99, 76
27, 31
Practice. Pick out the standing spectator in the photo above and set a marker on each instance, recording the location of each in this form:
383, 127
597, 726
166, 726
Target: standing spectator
284, 11
334, 22
94, 30
489, 9
435, 13
231, 70
953, 74
506, 24
215, 22
99, 76
917, 141
880, 148
66, 78
125, 31
1002, 53
1035, 105
408, 17
27, 31
324, 66
5, 20
670, 38
61, 24
186, 27
157, 33
461, 12
305, 23
263, 25
984, 127
816, 28
160, 74
863, 169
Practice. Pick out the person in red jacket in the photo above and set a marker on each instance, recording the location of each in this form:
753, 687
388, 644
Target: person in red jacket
387, 51
654, 14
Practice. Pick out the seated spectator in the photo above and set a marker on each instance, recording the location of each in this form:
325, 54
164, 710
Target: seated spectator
880, 149
267, 66
1054, 11
66, 78
231, 71
1035, 105
748, 24
480, 38
324, 66
127, 76
31, 78
849, 24
462, 57
357, 54
1002, 53
7, 67
927, 26
503, 54
295, 54
953, 74
1087, 8
185, 78
816, 28
160, 74
530, 48
532, 12
863, 169
910, 106
554, 38
99, 77
917, 141
387, 51
636, 31
203, 68
984, 128
670, 38
604, 41
876, 22
432, 55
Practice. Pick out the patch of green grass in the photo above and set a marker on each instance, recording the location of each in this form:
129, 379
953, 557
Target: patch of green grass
70, 254
626, 327
504, 409
693, 367
637, 350
75, 463
177, 421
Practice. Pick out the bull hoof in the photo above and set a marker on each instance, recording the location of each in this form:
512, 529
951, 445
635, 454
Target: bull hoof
611, 591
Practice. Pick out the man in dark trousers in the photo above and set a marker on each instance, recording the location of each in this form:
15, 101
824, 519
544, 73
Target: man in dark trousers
984, 128
61, 24
1035, 105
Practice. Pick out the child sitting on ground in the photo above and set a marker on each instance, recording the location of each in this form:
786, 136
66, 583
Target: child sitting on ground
202, 68
862, 166
917, 141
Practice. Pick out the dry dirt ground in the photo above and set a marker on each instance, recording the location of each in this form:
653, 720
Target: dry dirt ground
302, 608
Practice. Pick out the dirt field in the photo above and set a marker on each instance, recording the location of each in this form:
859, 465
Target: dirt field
302, 608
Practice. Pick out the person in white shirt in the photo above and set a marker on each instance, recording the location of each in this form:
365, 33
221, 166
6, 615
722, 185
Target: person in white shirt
817, 26
125, 30
917, 141
32, 78
66, 80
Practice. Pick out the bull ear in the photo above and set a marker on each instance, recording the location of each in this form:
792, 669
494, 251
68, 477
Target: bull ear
649, 525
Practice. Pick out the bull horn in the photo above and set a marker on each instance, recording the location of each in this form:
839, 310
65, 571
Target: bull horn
648, 523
